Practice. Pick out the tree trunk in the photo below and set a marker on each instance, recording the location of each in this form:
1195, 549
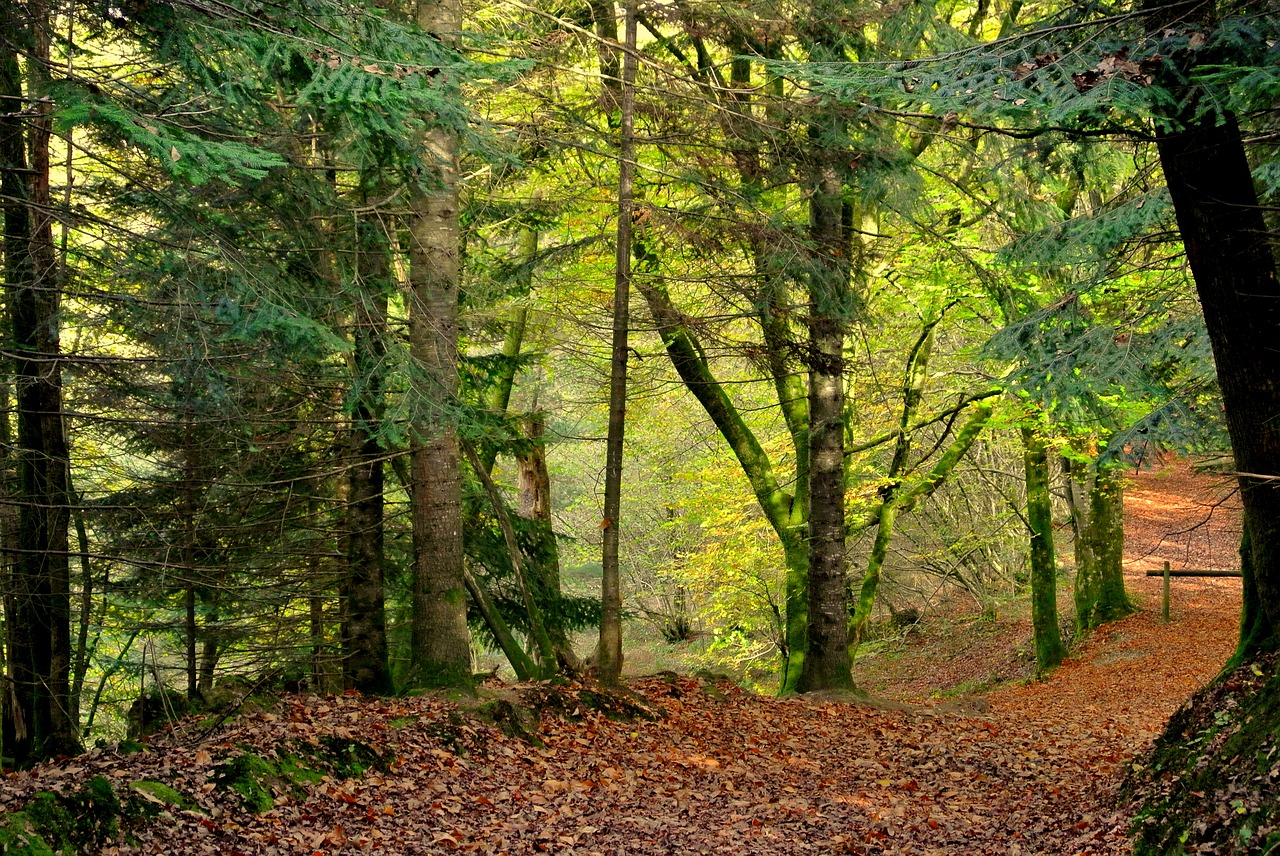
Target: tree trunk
1227, 247
1044, 566
210, 649
84, 648
830, 305
1097, 514
364, 655
39, 721
609, 649
316, 626
826, 662
786, 513
441, 640
914, 378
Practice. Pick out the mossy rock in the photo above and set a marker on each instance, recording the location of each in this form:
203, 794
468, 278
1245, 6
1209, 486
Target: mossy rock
254, 779
349, 758
154, 711
64, 823
18, 836
511, 719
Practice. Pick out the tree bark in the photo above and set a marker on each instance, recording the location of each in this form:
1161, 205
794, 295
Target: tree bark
826, 662
1227, 247
365, 665
1044, 565
441, 640
1096, 499
38, 722
609, 649
830, 305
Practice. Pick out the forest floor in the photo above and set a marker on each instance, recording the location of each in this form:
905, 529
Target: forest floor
1027, 767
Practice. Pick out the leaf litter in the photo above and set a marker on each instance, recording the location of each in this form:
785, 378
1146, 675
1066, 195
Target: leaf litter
1031, 768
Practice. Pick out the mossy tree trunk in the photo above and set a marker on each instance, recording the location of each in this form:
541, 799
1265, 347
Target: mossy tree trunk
1095, 496
1044, 566
903, 501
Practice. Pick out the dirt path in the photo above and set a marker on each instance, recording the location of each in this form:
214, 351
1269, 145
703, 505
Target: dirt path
1028, 769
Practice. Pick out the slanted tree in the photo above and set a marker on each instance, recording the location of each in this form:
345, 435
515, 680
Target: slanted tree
1229, 249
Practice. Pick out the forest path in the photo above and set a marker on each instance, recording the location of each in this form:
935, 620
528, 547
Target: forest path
1031, 768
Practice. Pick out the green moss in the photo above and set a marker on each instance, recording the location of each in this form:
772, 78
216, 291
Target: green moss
251, 777
350, 758
72, 823
1206, 787
18, 836
160, 794
296, 770
258, 781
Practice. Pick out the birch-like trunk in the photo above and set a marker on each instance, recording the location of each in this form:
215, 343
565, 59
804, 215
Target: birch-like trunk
609, 649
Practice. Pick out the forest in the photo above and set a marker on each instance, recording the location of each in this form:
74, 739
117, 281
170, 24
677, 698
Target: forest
374, 347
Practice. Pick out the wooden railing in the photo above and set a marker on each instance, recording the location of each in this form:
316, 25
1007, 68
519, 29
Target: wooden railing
1183, 572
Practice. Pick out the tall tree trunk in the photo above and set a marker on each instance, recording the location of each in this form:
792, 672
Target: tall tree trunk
441, 640
39, 722
609, 649
1044, 565
1229, 252
826, 661
188, 524
364, 661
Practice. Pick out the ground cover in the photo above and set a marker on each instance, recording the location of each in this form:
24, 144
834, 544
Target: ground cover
693, 764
